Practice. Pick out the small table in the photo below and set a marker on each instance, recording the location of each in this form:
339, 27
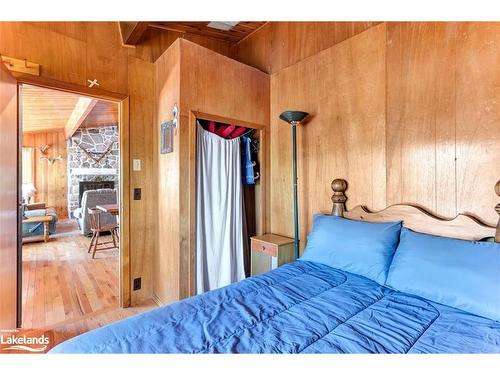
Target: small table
41, 219
109, 208
270, 251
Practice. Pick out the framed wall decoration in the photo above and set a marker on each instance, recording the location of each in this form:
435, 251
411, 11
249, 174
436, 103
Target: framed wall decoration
167, 137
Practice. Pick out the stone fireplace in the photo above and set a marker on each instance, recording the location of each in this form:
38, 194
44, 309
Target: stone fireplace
93, 156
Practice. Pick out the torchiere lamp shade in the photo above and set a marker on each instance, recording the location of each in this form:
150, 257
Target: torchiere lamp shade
293, 116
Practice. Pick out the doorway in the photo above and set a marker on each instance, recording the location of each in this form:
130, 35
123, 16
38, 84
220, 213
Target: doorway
70, 161
69, 212
255, 195
10, 202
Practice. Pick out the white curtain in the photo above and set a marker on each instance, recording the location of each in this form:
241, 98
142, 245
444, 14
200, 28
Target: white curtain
219, 212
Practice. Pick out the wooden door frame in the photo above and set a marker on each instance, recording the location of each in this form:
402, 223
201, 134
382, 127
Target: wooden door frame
191, 209
9, 252
124, 177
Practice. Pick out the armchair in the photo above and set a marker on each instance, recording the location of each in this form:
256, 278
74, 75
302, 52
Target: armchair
90, 199
37, 209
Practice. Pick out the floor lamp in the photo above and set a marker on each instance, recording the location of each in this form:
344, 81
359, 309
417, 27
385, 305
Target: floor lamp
295, 118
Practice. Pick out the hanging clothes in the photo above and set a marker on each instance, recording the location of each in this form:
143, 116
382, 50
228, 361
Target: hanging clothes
219, 212
224, 130
249, 175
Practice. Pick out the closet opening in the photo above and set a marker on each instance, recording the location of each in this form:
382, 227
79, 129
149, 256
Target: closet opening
229, 172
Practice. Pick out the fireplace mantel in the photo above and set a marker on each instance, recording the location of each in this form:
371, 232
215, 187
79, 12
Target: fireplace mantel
93, 171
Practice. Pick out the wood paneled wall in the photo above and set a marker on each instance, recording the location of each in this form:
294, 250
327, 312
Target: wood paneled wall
167, 256
51, 180
277, 45
197, 79
156, 41
443, 116
214, 84
76, 51
343, 88
406, 112
143, 219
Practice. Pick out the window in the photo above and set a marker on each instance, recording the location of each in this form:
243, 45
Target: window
28, 165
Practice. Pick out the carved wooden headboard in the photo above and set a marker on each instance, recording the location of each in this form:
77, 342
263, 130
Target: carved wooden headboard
417, 218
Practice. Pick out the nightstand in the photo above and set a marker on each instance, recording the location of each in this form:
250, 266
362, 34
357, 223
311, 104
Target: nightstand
270, 251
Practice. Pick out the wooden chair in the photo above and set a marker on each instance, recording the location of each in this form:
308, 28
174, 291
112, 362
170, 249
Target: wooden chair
97, 228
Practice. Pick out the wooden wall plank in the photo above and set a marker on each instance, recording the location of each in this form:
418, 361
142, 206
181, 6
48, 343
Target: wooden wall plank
478, 117
394, 56
444, 59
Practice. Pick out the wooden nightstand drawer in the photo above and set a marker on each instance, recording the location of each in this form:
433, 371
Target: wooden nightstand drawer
265, 247
270, 251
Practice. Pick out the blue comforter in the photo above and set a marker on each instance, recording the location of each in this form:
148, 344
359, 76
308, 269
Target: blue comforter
302, 307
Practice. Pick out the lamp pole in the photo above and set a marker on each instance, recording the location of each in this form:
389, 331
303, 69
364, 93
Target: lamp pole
295, 190
295, 118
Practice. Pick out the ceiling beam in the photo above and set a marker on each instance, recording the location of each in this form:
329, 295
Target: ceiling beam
82, 109
132, 32
194, 28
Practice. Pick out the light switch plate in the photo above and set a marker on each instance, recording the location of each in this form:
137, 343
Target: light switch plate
136, 165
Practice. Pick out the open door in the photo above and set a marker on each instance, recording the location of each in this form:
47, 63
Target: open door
9, 140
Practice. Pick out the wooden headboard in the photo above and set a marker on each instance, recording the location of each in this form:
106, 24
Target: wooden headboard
417, 218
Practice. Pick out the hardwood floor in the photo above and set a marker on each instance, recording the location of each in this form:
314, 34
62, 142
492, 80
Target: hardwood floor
66, 292
61, 281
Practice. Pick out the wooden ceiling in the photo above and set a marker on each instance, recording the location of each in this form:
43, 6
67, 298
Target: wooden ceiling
45, 110
132, 32
104, 113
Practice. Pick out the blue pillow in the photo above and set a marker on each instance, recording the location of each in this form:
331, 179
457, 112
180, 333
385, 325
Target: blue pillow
355, 246
457, 273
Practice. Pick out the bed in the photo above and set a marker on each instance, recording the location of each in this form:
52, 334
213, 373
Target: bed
314, 307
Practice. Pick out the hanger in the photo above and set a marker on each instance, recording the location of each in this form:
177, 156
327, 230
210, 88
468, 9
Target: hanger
247, 132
